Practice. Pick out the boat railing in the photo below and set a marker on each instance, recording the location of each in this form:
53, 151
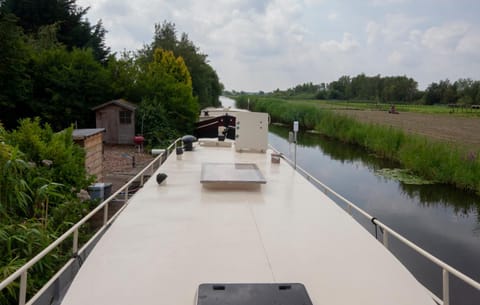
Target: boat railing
389, 232
22, 272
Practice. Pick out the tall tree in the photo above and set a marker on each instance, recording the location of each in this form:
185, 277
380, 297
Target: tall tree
74, 31
206, 85
15, 81
66, 85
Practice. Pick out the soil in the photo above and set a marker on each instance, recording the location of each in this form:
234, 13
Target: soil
118, 166
464, 131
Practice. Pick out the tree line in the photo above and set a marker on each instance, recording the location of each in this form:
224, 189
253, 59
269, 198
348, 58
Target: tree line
386, 89
56, 65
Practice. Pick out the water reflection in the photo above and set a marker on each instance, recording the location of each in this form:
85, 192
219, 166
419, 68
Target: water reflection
463, 203
441, 219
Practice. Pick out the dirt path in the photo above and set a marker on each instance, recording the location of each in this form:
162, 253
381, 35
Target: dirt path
454, 129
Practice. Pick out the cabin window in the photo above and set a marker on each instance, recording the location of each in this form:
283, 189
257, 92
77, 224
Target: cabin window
125, 117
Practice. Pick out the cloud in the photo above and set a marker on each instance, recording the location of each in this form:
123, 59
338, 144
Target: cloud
386, 2
393, 28
268, 44
444, 38
348, 43
470, 43
332, 16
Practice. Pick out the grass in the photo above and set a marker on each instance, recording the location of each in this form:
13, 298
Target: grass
368, 105
432, 160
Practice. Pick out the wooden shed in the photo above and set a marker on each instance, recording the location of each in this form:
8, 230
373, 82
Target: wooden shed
118, 119
92, 141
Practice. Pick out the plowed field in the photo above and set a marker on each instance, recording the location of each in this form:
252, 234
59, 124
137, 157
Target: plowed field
462, 131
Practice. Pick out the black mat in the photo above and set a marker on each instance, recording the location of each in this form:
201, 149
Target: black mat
253, 294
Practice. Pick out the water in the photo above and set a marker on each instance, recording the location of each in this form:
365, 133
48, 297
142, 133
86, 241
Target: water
441, 219
227, 102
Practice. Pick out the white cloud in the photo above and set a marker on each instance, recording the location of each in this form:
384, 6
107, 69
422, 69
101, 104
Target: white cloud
348, 43
386, 2
470, 43
332, 16
444, 38
265, 44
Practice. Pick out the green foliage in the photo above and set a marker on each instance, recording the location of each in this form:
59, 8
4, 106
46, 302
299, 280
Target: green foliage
206, 85
66, 85
74, 30
41, 144
15, 82
40, 172
169, 108
432, 160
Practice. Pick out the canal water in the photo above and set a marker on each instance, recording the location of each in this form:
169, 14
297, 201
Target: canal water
441, 219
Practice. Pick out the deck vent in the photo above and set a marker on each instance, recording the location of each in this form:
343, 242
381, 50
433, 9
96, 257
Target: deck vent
258, 294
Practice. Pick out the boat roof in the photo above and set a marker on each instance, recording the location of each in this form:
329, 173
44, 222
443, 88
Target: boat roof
223, 109
177, 235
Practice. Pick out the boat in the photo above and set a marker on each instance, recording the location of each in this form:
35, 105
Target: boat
233, 222
217, 122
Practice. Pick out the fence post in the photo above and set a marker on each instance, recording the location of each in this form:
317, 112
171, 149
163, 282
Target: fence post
23, 288
446, 290
75, 242
105, 214
385, 238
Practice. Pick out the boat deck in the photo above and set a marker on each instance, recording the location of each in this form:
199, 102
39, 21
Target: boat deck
175, 236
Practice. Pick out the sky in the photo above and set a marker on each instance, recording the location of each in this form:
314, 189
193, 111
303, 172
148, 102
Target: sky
268, 44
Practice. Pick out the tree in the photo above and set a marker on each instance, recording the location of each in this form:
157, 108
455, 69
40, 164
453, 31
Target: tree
206, 85
168, 107
66, 86
74, 31
15, 81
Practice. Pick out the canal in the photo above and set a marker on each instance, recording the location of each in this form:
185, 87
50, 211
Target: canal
439, 218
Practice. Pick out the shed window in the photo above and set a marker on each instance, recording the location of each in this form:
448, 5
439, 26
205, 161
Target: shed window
125, 117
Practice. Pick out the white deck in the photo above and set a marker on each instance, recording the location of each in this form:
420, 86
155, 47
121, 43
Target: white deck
175, 236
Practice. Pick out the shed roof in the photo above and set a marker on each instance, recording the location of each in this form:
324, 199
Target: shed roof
80, 134
120, 102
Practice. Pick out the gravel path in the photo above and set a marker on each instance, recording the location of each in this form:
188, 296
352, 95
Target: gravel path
117, 164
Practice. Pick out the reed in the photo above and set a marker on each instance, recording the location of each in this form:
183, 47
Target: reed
430, 159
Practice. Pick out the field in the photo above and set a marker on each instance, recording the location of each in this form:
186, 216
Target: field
461, 130
361, 105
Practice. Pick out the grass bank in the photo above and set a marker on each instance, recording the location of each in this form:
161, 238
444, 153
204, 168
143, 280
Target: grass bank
433, 160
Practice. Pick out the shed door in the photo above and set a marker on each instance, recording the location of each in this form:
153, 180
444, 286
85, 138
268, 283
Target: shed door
109, 121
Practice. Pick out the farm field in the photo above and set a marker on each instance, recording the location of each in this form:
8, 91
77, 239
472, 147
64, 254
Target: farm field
460, 130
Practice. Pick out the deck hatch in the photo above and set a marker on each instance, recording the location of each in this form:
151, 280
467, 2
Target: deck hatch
258, 294
231, 173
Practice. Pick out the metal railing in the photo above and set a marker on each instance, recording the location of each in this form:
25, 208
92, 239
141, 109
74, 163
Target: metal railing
387, 232
22, 272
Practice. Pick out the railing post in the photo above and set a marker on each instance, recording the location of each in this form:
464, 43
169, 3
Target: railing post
105, 214
23, 288
385, 238
446, 289
141, 180
75, 242
126, 194
349, 209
